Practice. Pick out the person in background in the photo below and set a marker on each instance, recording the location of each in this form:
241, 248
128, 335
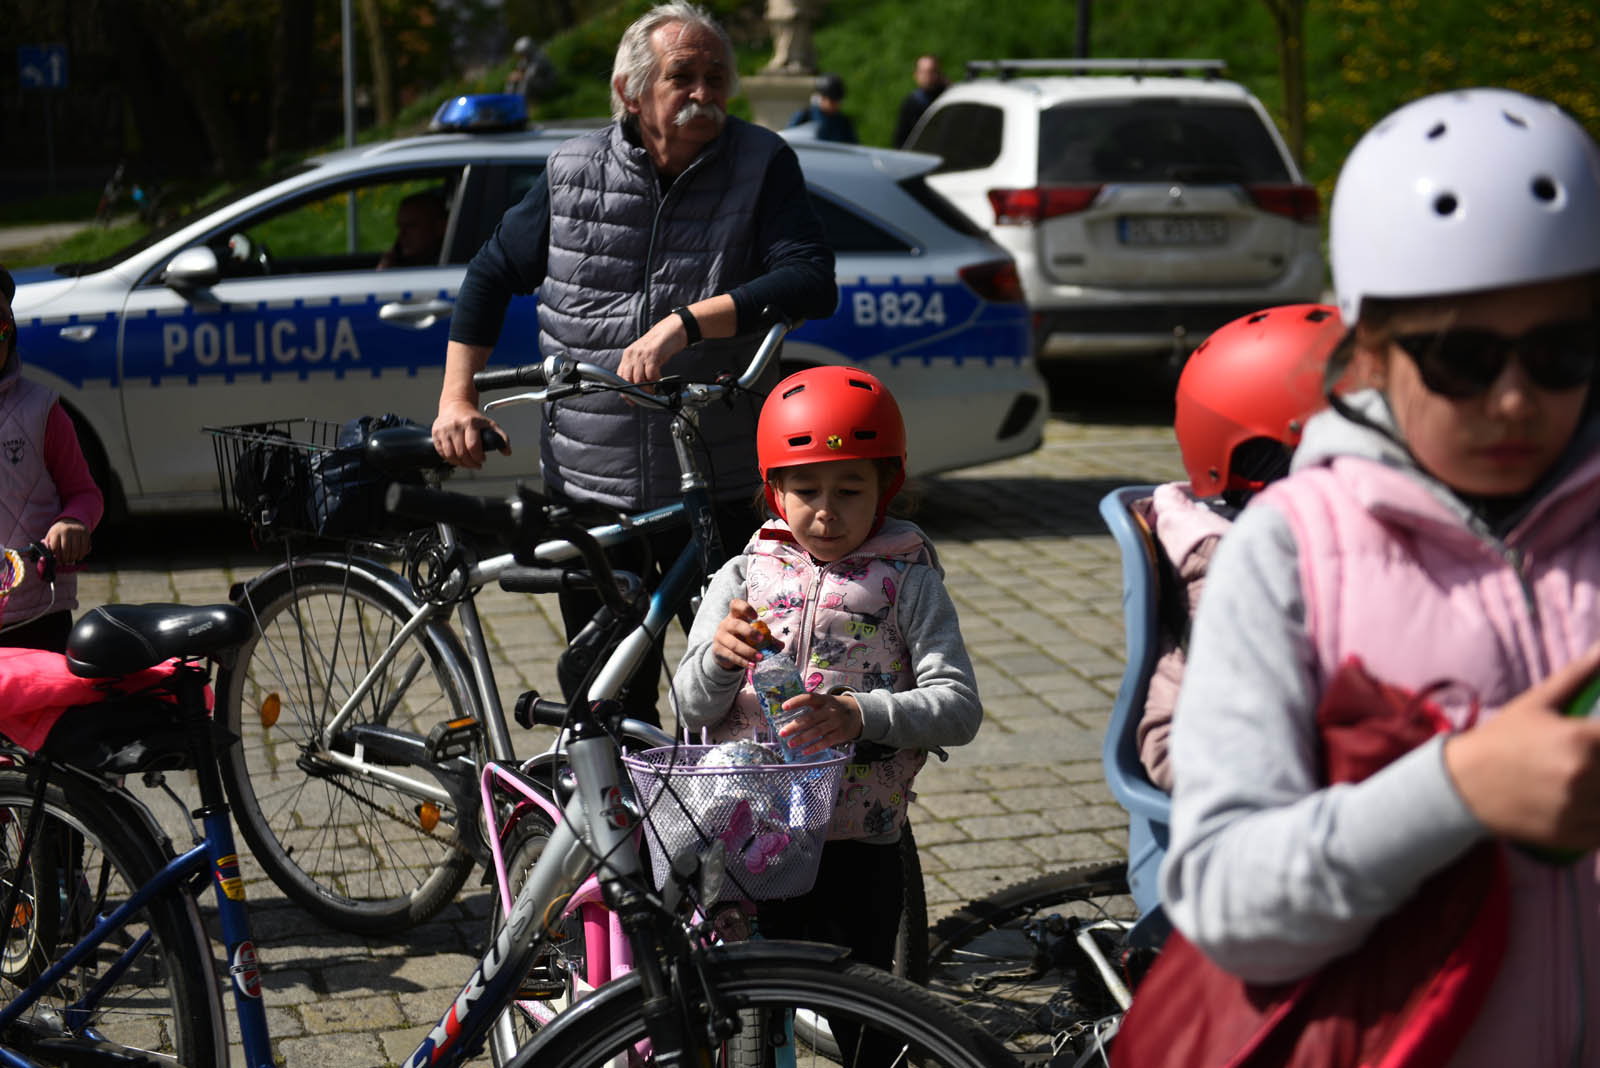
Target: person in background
655, 244
1242, 402
532, 75
930, 83
46, 495
419, 224
829, 122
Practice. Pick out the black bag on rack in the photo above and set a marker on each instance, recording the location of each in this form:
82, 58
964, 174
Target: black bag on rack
347, 492
269, 482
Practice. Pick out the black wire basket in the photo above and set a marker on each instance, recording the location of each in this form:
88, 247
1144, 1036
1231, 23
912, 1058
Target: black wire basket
309, 477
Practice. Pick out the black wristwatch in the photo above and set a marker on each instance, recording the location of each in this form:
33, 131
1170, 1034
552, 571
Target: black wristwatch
690, 326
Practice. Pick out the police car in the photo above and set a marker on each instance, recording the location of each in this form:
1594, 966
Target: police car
272, 305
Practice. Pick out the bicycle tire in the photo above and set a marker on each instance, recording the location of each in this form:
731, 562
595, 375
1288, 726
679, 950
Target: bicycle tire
167, 1001
771, 977
351, 852
523, 842
981, 961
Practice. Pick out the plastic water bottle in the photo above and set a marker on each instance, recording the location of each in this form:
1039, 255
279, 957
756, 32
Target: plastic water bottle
776, 679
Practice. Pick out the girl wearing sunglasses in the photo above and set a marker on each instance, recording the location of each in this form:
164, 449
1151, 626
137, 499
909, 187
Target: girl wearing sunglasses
1439, 537
46, 494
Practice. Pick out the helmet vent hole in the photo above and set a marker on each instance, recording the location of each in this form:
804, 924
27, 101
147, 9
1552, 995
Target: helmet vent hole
799, 441
860, 384
1445, 204
801, 388
1256, 318
1437, 131
1317, 315
1516, 120
1544, 188
865, 435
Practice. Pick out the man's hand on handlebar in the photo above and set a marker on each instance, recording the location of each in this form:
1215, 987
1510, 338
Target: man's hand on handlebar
457, 434
644, 360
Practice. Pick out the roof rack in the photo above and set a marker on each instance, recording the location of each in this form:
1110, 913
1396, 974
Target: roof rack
1010, 68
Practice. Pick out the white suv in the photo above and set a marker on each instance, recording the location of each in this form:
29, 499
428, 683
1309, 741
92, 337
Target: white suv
1146, 202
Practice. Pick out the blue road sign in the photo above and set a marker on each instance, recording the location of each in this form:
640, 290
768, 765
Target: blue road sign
42, 66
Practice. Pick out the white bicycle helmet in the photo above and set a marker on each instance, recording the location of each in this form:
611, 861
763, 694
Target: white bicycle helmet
1465, 191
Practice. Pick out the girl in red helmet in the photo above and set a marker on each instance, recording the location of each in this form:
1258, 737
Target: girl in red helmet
858, 600
1242, 400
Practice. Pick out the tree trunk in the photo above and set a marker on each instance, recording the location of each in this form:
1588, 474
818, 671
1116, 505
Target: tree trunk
382, 74
1290, 16
292, 67
197, 70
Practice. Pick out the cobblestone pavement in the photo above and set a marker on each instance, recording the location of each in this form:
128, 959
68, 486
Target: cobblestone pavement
1037, 583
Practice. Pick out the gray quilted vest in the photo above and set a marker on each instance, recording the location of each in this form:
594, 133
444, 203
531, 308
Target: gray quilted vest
623, 255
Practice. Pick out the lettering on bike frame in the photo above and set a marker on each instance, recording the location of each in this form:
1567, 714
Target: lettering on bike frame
445, 1033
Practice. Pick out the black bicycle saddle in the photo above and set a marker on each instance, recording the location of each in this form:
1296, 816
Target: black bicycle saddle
119, 639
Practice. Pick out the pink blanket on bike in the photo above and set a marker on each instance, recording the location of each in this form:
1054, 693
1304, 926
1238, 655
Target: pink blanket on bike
36, 688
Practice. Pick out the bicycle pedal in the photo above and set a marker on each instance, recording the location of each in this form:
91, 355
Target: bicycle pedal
541, 984
454, 738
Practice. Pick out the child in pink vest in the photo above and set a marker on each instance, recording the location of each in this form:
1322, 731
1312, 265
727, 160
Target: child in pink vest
858, 600
1242, 401
46, 495
1442, 527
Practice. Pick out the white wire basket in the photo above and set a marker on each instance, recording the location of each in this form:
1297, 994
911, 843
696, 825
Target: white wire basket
773, 818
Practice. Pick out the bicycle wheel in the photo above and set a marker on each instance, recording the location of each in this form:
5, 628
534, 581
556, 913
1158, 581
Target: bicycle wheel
166, 1002
910, 942
1014, 963
549, 986
355, 852
909, 1025
36, 916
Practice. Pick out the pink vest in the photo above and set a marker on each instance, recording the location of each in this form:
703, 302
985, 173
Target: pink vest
29, 503
1389, 574
838, 622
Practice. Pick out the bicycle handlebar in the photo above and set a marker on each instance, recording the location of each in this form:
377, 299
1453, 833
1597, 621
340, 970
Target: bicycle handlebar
560, 376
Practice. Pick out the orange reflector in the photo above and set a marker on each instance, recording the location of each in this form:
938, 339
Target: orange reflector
428, 814
21, 916
270, 708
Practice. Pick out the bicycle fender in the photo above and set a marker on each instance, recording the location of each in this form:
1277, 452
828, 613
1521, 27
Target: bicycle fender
744, 955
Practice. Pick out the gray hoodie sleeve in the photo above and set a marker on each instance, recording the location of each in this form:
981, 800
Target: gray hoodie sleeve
1269, 872
942, 709
702, 689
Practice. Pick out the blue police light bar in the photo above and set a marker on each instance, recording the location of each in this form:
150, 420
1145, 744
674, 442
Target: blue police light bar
481, 112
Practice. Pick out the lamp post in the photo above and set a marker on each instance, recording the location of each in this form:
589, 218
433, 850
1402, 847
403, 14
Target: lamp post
348, 37
1082, 35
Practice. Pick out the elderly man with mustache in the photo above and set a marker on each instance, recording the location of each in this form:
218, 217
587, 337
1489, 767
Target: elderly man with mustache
654, 243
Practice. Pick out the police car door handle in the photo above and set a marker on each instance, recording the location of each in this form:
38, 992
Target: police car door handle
79, 332
418, 316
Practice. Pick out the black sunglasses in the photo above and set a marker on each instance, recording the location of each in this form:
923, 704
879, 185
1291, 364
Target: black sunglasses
1465, 363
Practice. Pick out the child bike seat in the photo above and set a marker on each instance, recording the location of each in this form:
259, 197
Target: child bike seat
1149, 807
119, 639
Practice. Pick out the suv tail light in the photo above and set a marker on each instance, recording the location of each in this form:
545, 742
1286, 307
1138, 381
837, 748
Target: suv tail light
1298, 202
1019, 206
994, 280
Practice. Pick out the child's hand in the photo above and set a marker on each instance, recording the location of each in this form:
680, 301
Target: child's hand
1531, 773
826, 721
737, 645
68, 539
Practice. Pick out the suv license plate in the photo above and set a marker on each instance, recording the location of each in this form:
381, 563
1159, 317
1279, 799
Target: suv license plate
1172, 230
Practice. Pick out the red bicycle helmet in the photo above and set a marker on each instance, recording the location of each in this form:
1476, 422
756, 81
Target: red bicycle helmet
1260, 376
830, 413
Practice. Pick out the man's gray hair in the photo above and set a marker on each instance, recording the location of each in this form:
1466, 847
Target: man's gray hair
636, 59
